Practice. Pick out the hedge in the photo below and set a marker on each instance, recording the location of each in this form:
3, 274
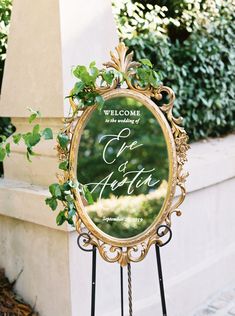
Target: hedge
195, 52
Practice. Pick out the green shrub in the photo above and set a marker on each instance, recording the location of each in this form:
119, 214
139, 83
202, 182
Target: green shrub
200, 69
6, 127
5, 14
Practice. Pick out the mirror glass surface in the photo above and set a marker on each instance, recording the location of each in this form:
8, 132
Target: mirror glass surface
123, 162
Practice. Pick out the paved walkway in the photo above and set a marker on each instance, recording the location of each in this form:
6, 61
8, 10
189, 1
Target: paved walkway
222, 304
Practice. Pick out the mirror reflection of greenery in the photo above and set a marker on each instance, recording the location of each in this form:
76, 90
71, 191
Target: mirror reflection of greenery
128, 216
153, 153
92, 168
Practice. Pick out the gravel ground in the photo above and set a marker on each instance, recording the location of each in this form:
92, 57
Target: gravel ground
10, 303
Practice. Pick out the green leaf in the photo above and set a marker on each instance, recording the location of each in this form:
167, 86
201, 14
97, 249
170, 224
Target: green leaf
72, 184
69, 198
55, 190
88, 195
78, 87
29, 153
2, 138
8, 149
47, 133
94, 72
71, 212
28, 156
34, 139
61, 218
2, 153
146, 62
63, 140
64, 165
65, 187
92, 64
17, 138
31, 139
108, 76
100, 102
52, 202
36, 129
81, 73
32, 117
26, 138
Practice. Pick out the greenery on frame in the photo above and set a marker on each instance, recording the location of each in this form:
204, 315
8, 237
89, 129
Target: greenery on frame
192, 43
85, 94
198, 65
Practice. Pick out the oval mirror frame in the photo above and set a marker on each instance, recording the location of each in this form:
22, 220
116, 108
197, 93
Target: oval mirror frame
133, 249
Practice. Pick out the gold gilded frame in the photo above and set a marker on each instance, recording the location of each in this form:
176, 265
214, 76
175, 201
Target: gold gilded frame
132, 249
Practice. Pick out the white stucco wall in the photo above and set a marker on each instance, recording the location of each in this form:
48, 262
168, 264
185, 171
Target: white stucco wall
199, 260
46, 39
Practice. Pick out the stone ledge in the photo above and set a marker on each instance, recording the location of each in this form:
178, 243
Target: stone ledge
27, 203
210, 161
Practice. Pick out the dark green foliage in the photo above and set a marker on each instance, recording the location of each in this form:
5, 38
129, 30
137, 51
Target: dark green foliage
5, 14
6, 128
153, 154
146, 209
62, 193
200, 69
64, 165
84, 89
63, 140
30, 139
150, 154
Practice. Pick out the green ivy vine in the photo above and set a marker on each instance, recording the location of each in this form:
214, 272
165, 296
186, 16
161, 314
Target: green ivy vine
84, 94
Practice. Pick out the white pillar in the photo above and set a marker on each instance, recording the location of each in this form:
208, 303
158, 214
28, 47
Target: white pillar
46, 39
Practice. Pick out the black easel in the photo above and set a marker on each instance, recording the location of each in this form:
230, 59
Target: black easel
162, 230
122, 296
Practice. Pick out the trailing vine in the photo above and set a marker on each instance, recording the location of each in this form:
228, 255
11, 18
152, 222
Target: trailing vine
87, 92
30, 139
84, 93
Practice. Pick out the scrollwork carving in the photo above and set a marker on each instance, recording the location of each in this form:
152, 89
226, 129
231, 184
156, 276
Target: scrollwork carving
123, 63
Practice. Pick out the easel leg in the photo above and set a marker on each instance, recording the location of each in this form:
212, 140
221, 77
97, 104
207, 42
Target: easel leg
129, 289
121, 283
160, 276
93, 286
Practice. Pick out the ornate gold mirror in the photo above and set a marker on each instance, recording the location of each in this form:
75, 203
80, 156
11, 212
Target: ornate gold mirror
129, 157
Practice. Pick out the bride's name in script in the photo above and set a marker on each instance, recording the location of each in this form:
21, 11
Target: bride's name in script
133, 179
